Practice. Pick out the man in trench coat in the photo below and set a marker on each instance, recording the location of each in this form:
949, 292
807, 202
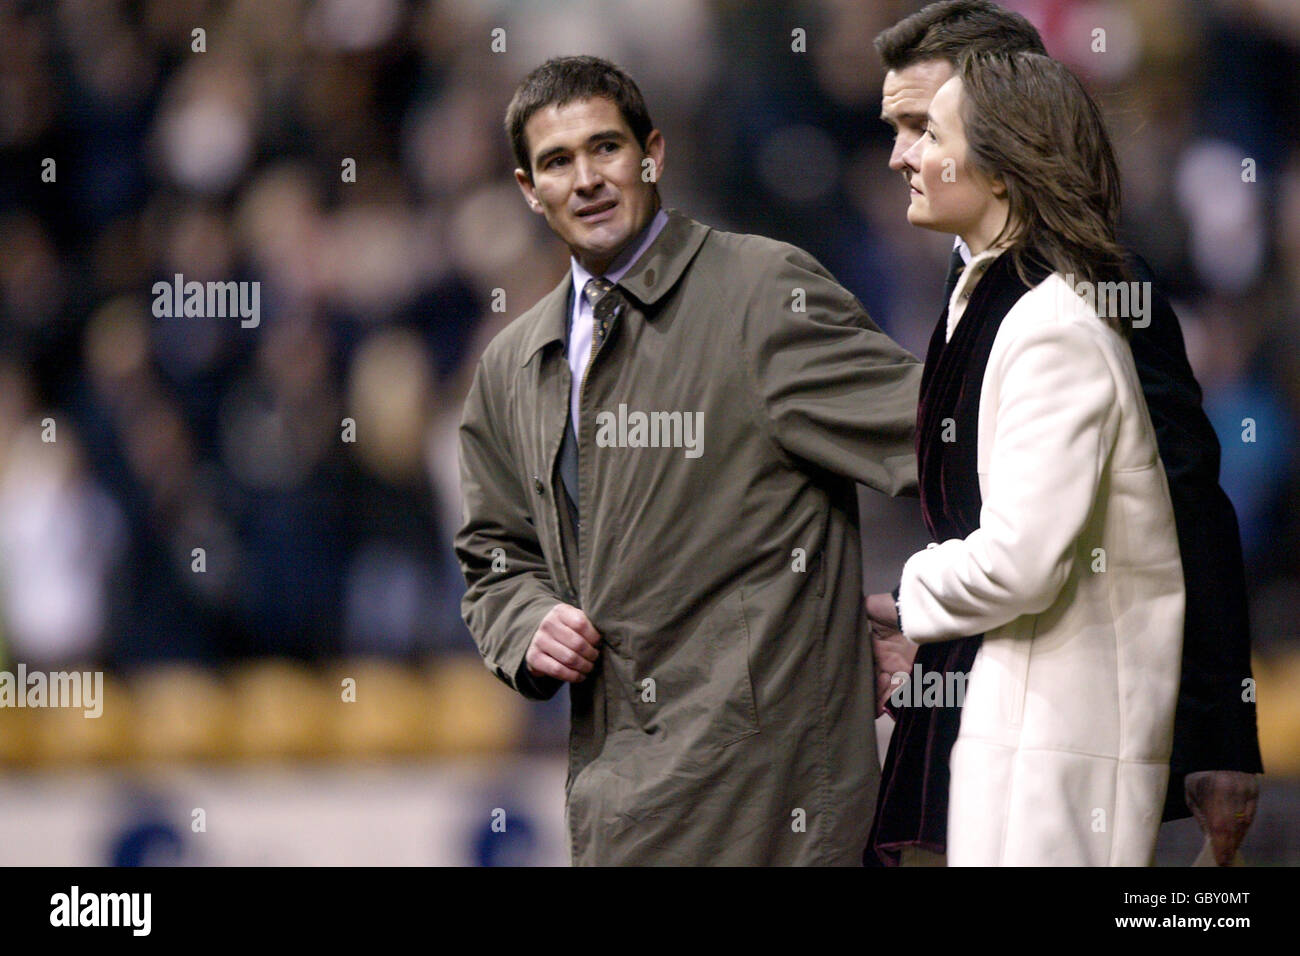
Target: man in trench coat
666, 519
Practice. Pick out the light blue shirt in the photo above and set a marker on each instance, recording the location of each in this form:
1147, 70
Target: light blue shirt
582, 324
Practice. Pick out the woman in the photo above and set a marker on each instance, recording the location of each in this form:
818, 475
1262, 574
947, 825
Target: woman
1043, 490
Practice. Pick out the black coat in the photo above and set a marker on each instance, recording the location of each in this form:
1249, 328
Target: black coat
1214, 728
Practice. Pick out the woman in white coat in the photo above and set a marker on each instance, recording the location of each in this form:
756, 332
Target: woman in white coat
1041, 484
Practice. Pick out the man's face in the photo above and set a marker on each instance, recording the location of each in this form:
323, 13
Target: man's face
905, 99
587, 177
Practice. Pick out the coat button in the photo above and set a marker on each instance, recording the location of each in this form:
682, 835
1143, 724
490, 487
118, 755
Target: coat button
537, 485
649, 277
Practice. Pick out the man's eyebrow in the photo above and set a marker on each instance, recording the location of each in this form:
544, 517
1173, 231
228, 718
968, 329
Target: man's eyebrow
901, 118
604, 134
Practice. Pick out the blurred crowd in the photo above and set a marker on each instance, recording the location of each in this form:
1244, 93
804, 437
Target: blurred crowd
190, 489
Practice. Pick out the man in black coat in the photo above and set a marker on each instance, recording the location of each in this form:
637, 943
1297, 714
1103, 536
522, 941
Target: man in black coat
1216, 747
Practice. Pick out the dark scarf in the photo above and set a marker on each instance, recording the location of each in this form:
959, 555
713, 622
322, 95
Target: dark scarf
913, 805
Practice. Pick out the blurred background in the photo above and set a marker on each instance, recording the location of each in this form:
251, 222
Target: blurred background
128, 441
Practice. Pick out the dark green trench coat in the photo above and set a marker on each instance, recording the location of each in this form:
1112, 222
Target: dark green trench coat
730, 717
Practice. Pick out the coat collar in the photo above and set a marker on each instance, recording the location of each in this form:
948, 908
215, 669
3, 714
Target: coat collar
966, 282
649, 279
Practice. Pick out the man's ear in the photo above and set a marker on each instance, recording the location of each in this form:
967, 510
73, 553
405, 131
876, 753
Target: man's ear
530, 194
654, 148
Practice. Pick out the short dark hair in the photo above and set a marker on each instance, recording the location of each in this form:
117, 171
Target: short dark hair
564, 79
951, 28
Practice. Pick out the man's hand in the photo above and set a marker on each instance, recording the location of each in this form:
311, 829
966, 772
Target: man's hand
565, 645
1224, 804
881, 610
894, 656
893, 652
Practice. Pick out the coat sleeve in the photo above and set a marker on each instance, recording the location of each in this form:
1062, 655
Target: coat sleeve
502, 608
834, 389
1053, 432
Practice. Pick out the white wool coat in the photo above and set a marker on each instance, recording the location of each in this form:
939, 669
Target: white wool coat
1075, 580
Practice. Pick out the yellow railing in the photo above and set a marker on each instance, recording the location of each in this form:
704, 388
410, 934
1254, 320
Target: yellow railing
282, 710
275, 710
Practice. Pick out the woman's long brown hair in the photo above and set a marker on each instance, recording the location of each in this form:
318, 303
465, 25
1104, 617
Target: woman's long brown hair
1030, 122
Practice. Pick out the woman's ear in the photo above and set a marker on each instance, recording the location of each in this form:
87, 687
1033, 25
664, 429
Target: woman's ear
999, 186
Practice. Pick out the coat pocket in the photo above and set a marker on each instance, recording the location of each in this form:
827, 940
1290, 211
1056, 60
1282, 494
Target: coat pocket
1026, 628
704, 693
738, 717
